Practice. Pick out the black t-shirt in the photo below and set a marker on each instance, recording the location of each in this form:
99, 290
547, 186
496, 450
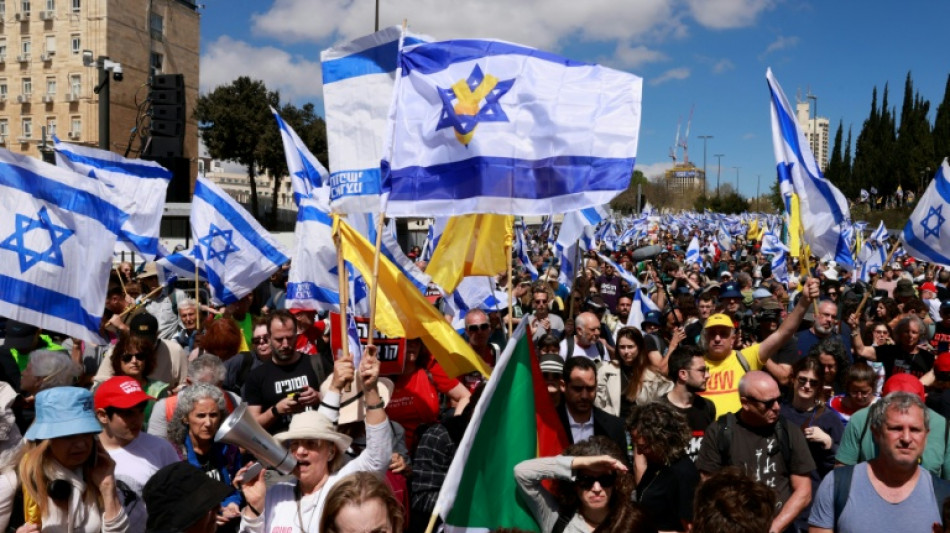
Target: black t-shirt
897, 361
698, 415
941, 340
666, 493
270, 383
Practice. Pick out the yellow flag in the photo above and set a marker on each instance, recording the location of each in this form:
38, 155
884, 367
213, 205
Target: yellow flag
794, 228
402, 311
471, 245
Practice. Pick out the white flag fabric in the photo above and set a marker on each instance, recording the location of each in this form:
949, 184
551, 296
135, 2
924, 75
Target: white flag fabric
57, 235
358, 79
521, 250
622, 272
692, 251
179, 265
313, 280
237, 253
772, 245
134, 185
494, 127
925, 237
306, 171
824, 209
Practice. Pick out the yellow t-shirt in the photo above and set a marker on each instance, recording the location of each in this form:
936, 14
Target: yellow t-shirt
722, 388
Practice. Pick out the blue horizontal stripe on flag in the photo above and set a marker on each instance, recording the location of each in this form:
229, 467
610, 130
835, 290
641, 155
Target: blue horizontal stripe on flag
146, 245
132, 169
237, 221
435, 57
505, 177
310, 291
366, 178
42, 300
376, 60
942, 185
312, 214
63, 196
920, 246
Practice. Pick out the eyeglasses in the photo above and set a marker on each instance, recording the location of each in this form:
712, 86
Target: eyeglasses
880, 332
806, 381
264, 339
586, 482
704, 370
766, 404
127, 358
474, 328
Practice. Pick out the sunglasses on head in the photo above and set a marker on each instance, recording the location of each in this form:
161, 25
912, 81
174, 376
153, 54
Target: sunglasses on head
586, 482
127, 358
478, 327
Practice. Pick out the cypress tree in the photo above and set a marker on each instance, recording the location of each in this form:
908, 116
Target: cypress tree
941, 131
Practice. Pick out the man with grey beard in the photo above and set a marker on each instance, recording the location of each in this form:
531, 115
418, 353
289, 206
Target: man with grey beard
824, 326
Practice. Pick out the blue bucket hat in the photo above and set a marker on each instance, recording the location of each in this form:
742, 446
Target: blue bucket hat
62, 412
652, 317
729, 290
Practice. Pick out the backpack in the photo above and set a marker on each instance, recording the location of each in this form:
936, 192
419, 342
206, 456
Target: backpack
600, 348
842, 481
726, 423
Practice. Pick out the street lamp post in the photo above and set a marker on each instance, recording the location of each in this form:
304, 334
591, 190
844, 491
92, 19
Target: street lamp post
704, 138
105, 68
758, 184
737, 179
718, 171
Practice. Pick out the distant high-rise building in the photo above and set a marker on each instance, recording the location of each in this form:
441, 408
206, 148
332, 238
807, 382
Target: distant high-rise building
45, 83
816, 132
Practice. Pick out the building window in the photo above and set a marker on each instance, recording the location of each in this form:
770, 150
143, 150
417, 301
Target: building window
75, 83
75, 44
3, 88
3, 50
3, 8
157, 60
26, 6
157, 26
27, 86
26, 47
51, 86
50, 126
4, 127
76, 6
51, 5
27, 127
50, 44
75, 124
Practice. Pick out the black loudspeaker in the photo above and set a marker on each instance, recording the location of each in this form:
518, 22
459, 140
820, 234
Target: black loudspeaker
167, 129
179, 190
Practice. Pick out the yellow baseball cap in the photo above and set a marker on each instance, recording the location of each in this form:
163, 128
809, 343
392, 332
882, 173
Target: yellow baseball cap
719, 319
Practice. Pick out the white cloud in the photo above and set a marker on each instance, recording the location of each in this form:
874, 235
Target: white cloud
780, 43
226, 59
541, 23
723, 65
680, 73
628, 56
653, 170
725, 14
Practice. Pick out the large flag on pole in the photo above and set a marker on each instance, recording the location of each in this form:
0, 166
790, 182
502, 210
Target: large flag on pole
237, 253
57, 235
313, 281
306, 171
134, 185
472, 245
358, 78
402, 311
495, 127
479, 492
824, 209
924, 236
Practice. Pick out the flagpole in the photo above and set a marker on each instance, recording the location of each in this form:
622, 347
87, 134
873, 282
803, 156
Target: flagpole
344, 281
121, 283
432, 518
148, 296
510, 286
867, 294
372, 292
577, 250
197, 298
806, 261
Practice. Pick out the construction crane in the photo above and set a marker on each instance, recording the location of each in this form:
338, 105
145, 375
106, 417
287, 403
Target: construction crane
676, 141
685, 142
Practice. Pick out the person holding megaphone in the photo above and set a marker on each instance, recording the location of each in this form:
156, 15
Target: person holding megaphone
318, 448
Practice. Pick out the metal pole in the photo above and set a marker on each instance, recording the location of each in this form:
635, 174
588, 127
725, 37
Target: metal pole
737, 179
103, 103
639, 207
758, 184
718, 171
377, 16
704, 137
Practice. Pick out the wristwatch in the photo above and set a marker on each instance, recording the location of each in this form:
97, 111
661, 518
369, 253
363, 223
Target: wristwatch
274, 411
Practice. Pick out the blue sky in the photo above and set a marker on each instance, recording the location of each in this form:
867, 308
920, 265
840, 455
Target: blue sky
711, 54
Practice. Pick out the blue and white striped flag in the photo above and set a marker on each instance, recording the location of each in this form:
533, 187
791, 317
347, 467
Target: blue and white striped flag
306, 171
353, 338
772, 245
429, 245
622, 272
358, 79
925, 237
692, 252
313, 281
880, 234
642, 304
134, 185
57, 234
521, 249
872, 255
180, 265
391, 250
723, 238
494, 127
237, 253
824, 209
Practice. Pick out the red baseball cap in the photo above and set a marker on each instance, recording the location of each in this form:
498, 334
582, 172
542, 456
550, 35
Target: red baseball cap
942, 364
928, 286
906, 383
122, 392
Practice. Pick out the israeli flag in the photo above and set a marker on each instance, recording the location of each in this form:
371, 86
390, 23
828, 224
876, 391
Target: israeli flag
692, 252
358, 79
723, 238
579, 224
313, 281
642, 304
521, 250
924, 237
872, 255
58, 230
473, 292
237, 253
180, 265
824, 209
134, 185
772, 245
622, 272
306, 172
880, 234
494, 127
429, 245
353, 338
392, 251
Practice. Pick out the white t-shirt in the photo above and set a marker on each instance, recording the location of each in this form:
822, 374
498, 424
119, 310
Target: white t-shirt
134, 465
591, 352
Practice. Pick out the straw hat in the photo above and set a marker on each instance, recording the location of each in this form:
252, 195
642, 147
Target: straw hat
311, 425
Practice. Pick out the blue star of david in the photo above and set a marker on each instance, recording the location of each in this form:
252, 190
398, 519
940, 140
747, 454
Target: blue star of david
929, 227
208, 242
17, 241
491, 111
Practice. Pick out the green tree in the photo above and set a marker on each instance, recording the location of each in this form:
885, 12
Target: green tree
626, 202
775, 197
846, 169
234, 121
914, 147
941, 131
728, 201
835, 173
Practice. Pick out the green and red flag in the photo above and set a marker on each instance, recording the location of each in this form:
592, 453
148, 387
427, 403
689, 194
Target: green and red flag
514, 420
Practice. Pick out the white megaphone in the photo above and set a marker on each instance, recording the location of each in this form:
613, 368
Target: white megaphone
241, 429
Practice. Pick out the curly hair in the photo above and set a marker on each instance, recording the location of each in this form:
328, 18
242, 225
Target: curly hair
622, 511
731, 501
835, 348
357, 489
133, 344
187, 398
222, 338
663, 427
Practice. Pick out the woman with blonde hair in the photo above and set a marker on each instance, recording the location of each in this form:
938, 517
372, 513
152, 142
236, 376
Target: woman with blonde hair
64, 471
361, 502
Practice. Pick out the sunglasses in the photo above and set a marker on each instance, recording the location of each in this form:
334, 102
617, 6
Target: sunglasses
767, 404
478, 327
261, 340
127, 358
586, 482
806, 381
